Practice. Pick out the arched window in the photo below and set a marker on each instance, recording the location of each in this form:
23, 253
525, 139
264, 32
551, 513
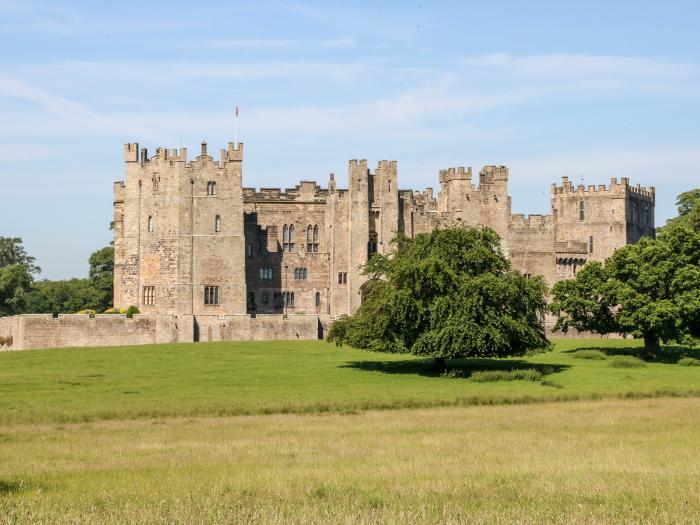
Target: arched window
217, 223
151, 224
372, 244
312, 238
318, 299
288, 238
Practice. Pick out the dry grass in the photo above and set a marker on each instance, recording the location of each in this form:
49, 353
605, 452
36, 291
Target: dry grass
592, 462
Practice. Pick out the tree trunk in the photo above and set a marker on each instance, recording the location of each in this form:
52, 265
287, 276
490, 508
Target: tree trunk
651, 345
440, 364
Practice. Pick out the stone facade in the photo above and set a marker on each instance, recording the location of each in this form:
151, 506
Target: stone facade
186, 228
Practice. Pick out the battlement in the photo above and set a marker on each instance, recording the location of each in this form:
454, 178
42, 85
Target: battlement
304, 191
490, 174
355, 164
534, 221
615, 188
458, 173
234, 153
387, 166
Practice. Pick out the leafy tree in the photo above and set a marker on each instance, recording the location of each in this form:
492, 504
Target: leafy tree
15, 281
13, 253
650, 290
66, 296
688, 204
101, 275
447, 294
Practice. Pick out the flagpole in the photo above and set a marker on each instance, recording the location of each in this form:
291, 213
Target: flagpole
235, 127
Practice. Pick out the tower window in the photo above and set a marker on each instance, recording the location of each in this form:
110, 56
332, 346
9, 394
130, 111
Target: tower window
288, 235
288, 298
266, 273
372, 244
312, 238
590, 244
211, 295
211, 188
265, 297
581, 211
217, 223
300, 273
342, 278
151, 223
318, 299
249, 249
149, 295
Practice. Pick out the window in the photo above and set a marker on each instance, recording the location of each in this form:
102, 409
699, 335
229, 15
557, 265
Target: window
156, 181
211, 295
249, 249
250, 301
342, 278
266, 273
372, 245
581, 211
149, 295
590, 244
318, 299
312, 238
217, 223
211, 188
288, 235
300, 273
265, 297
288, 298
151, 223
527, 275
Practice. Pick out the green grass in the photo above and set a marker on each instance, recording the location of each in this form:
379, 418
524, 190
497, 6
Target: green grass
87, 384
626, 361
589, 354
615, 461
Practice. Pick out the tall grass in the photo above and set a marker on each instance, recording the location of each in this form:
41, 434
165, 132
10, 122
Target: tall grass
485, 376
626, 361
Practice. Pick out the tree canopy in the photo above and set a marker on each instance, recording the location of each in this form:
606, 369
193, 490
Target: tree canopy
13, 253
650, 289
447, 294
688, 204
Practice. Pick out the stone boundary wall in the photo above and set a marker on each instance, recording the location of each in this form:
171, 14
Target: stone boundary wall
31, 331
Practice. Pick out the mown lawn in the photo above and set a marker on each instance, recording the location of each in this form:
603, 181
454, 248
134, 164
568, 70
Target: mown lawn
76, 385
613, 461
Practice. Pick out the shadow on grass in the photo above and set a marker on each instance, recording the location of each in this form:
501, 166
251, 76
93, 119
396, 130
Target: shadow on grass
668, 354
10, 487
466, 367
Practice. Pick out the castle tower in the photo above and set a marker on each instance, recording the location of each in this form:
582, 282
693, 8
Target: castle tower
179, 233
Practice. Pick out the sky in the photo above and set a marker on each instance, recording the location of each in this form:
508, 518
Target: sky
589, 90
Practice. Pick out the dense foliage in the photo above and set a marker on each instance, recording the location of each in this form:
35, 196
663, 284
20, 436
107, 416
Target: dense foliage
650, 290
447, 294
688, 204
20, 293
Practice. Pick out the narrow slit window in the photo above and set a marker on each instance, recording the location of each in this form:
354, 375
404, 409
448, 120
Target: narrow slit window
217, 223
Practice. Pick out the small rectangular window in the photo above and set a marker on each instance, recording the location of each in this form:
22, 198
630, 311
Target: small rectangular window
342, 278
211, 188
211, 295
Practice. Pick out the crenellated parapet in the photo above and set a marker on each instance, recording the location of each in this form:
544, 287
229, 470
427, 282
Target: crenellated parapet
304, 191
170, 156
615, 188
533, 222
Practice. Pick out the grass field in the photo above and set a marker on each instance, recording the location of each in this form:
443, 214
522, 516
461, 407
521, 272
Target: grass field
632, 461
156, 434
76, 385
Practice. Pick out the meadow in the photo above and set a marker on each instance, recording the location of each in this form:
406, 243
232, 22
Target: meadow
305, 432
225, 379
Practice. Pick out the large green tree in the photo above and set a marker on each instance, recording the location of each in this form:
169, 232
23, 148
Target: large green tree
650, 289
13, 253
447, 294
688, 204
101, 276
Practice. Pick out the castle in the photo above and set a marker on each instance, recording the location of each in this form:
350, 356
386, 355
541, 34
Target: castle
190, 240
205, 259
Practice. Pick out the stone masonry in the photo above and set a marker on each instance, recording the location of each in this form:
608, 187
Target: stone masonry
191, 240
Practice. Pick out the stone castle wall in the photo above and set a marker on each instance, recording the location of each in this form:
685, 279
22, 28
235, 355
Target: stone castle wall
32, 331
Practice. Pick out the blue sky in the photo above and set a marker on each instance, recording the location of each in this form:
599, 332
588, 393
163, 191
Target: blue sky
590, 90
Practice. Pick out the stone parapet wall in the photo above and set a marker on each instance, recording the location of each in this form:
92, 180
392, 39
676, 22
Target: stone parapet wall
32, 331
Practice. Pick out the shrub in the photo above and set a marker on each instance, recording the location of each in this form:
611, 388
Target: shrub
131, 311
589, 354
626, 361
689, 361
113, 311
6, 340
528, 374
89, 312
